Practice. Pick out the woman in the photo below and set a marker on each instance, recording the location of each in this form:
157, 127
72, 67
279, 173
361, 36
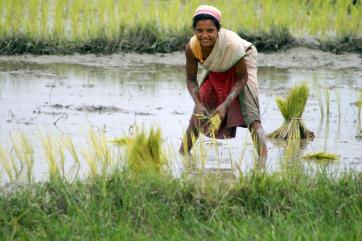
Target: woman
228, 85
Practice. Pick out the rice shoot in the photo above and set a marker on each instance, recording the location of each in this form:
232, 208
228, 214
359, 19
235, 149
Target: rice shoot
143, 151
321, 156
292, 109
209, 124
214, 123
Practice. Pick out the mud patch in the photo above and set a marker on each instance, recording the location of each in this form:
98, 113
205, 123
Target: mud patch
100, 109
298, 57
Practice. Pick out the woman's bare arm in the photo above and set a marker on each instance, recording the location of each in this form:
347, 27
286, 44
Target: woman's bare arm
191, 75
241, 75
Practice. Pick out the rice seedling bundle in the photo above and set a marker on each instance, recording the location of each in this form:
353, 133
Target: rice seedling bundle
321, 156
144, 152
292, 109
209, 124
214, 124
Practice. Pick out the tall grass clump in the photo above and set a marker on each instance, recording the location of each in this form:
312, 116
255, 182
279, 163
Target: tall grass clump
24, 152
144, 151
99, 155
54, 154
292, 109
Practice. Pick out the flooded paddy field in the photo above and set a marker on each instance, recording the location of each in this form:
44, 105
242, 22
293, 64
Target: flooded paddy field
118, 93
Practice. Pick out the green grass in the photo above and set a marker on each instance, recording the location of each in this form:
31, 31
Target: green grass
68, 26
112, 203
258, 206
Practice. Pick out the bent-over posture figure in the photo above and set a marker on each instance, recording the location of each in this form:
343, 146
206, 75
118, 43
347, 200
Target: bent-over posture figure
228, 85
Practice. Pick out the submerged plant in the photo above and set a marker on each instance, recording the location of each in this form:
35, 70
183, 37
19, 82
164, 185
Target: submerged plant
292, 109
328, 99
321, 156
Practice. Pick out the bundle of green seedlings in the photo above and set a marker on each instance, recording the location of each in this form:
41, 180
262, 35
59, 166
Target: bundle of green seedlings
144, 151
210, 124
321, 156
292, 109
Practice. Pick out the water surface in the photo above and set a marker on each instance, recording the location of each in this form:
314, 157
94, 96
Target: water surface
70, 98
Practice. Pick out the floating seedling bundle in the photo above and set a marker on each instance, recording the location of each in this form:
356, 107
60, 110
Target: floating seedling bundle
321, 156
292, 109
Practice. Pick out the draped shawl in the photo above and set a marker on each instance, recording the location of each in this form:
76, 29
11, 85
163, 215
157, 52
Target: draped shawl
228, 49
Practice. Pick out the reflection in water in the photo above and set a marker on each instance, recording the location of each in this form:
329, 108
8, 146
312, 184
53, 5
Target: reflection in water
34, 96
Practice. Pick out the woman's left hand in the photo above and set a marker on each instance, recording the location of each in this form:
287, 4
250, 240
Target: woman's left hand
221, 111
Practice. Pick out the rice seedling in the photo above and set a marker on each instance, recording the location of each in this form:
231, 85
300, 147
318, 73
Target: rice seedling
321, 156
209, 124
59, 20
31, 27
338, 99
62, 23
358, 104
44, 19
50, 153
88, 157
292, 109
328, 99
144, 151
25, 153
98, 143
54, 150
317, 92
6, 164
290, 155
214, 123
72, 150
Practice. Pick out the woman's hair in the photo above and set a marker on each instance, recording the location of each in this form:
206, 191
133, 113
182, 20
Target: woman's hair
205, 17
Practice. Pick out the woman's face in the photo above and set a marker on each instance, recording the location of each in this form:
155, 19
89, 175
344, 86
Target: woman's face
206, 32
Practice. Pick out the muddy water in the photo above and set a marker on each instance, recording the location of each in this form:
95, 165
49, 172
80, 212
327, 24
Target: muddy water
67, 97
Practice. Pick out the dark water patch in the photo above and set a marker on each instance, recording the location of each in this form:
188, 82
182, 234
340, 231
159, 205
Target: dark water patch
100, 109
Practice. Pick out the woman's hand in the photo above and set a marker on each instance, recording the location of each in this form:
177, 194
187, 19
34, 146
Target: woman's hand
221, 111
